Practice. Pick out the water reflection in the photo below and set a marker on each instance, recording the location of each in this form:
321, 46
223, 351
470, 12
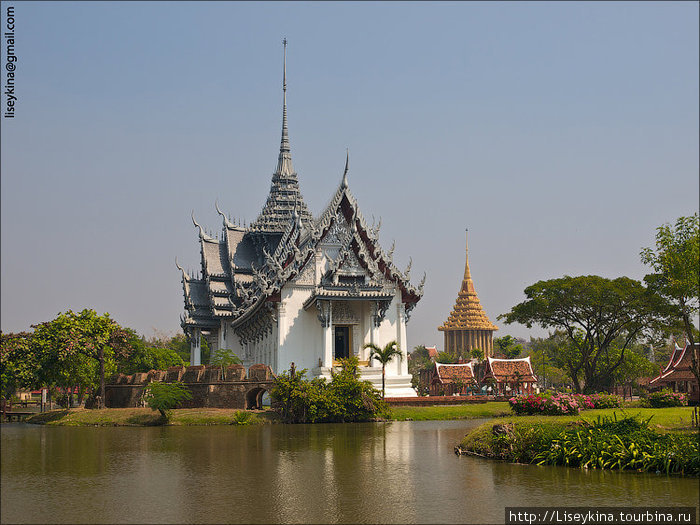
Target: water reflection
359, 473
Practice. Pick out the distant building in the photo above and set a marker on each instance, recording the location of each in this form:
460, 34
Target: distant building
450, 379
294, 288
468, 327
432, 352
678, 374
510, 376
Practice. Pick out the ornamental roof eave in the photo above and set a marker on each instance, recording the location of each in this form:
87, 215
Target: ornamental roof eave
340, 295
343, 203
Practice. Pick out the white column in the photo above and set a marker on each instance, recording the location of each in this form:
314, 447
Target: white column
373, 314
222, 334
328, 336
402, 365
196, 347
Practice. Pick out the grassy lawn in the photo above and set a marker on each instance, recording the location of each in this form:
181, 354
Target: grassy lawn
467, 411
147, 417
662, 419
669, 443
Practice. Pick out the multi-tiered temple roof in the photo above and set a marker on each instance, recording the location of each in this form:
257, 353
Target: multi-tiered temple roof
467, 313
244, 269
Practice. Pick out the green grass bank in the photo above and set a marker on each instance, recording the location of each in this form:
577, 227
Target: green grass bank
223, 416
144, 417
643, 439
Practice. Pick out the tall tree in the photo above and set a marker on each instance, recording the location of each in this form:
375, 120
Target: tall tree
18, 363
79, 349
384, 355
594, 312
676, 264
508, 346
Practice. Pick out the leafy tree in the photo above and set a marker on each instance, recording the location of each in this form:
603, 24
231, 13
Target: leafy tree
164, 397
144, 356
18, 364
593, 312
548, 360
445, 358
676, 264
419, 360
477, 353
509, 346
384, 355
78, 349
181, 345
224, 357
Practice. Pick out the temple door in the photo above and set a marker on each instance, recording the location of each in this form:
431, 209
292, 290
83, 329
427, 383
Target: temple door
341, 346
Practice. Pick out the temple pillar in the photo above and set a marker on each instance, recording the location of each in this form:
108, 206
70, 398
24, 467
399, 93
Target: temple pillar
402, 364
374, 319
328, 336
222, 335
196, 347
281, 333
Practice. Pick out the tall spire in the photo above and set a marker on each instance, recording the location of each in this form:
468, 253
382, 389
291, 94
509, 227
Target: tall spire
467, 313
284, 161
467, 283
284, 194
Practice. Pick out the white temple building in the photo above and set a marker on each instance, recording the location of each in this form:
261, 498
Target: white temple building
291, 288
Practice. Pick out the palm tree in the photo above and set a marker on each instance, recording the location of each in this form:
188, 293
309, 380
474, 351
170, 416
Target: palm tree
384, 355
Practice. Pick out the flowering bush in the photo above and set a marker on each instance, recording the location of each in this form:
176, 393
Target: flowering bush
562, 404
545, 404
604, 400
666, 398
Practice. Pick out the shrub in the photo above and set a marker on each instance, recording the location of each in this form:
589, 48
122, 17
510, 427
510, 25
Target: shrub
344, 399
604, 400
666, 398
163, 397
546, 404
242, 417
562, 404
622, 444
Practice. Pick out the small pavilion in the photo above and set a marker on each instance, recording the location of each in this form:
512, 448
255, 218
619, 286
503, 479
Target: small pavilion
510, 376
678, 374
452, 379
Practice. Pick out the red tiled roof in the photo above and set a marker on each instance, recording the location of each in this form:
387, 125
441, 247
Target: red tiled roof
446, 374
511, 369
679, 366
432, 351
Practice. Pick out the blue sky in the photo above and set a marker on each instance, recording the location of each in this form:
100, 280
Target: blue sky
560, 134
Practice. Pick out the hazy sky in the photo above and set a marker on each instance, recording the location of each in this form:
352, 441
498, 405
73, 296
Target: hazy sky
560, 134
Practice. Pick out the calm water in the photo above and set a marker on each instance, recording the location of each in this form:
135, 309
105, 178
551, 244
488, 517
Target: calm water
400, 472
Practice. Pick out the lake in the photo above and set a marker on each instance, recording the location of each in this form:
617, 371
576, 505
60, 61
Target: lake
396, 472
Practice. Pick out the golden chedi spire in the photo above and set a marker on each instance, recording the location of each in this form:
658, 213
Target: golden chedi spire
467, 312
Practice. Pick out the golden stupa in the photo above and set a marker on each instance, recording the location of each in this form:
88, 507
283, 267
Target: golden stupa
468, 327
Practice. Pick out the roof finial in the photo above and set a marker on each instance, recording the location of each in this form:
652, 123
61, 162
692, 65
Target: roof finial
347, 164
467, 272
284, 161
285, 134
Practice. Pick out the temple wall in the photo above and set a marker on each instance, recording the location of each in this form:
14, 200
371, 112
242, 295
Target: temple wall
211, 387
262, 350
227, 338
393, 328
300, 331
